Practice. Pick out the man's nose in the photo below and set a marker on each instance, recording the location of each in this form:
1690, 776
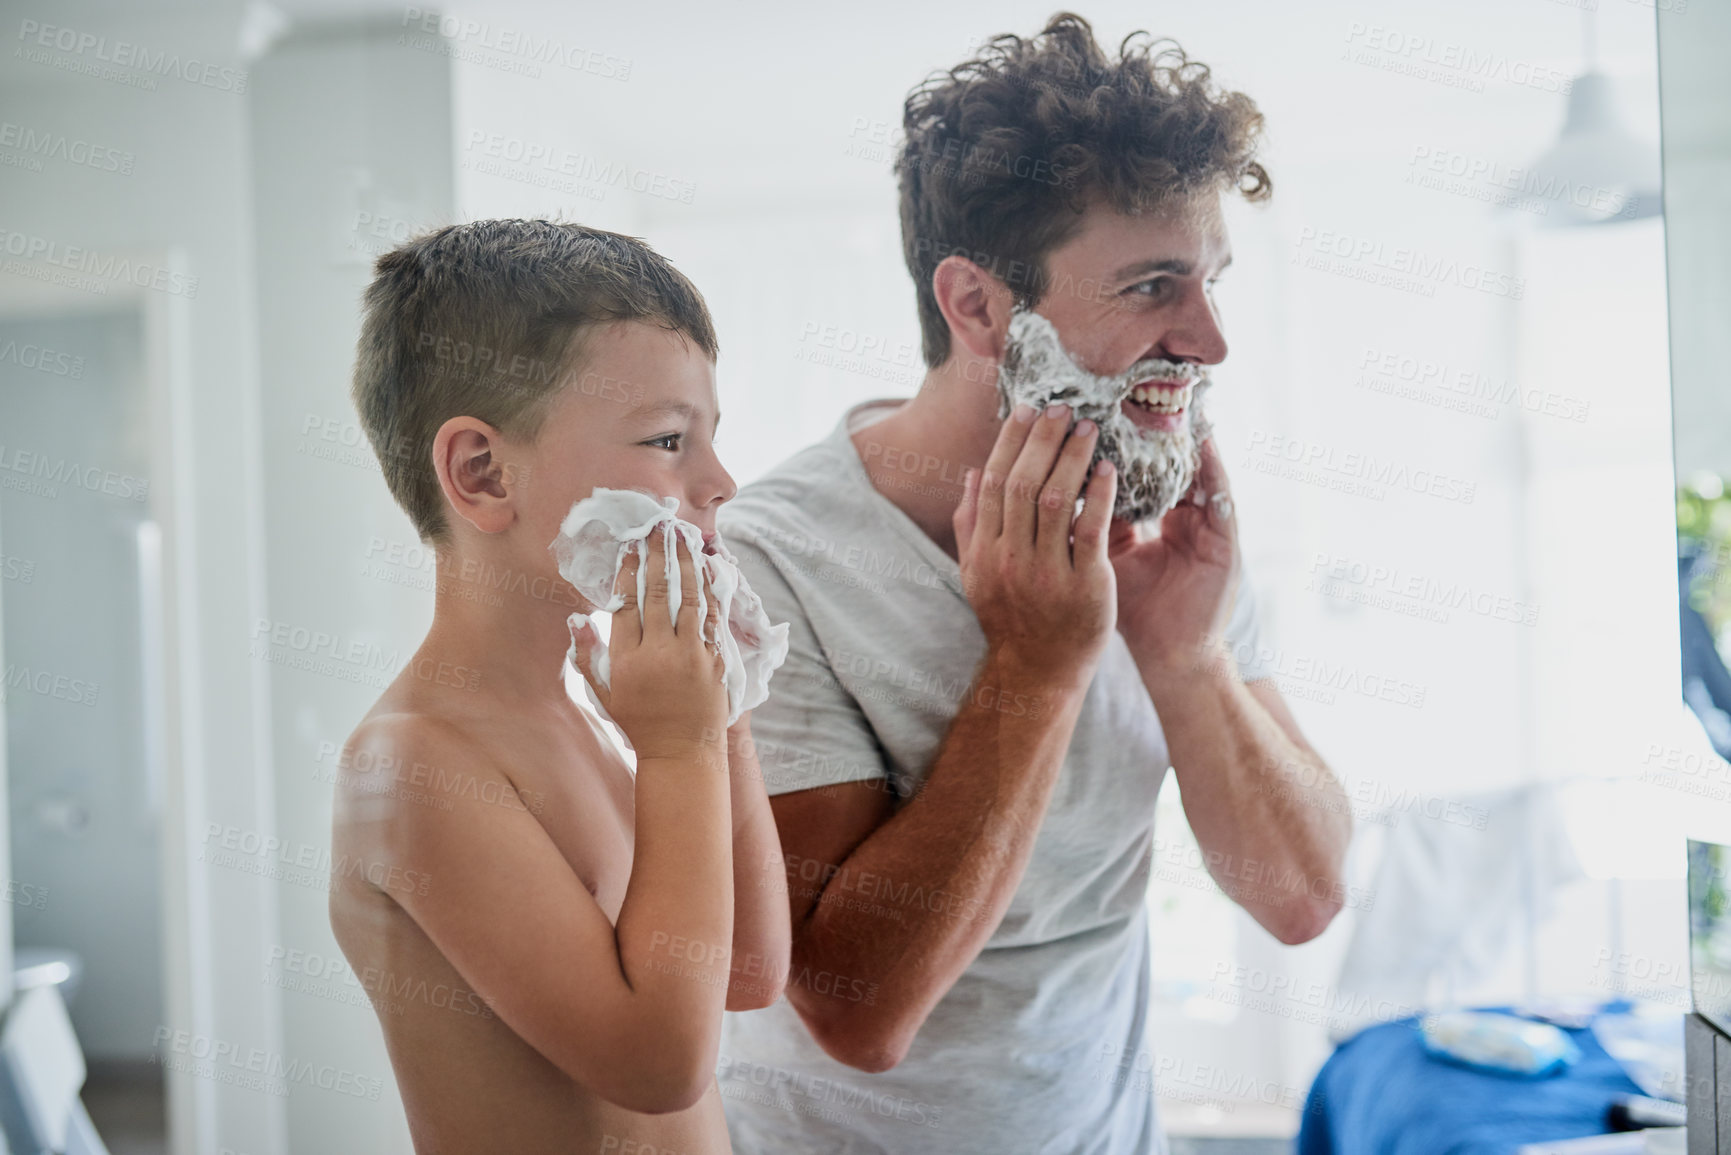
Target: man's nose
1194, 334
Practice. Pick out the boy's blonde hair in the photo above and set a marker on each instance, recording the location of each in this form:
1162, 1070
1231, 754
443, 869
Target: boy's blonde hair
487, 320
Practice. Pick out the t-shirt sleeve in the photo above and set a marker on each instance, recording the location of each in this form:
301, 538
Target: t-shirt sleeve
1244, 635
810, 732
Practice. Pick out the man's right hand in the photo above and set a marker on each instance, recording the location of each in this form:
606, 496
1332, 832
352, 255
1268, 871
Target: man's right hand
1035, 571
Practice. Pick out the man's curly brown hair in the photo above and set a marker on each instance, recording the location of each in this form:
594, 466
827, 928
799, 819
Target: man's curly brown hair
1004, 152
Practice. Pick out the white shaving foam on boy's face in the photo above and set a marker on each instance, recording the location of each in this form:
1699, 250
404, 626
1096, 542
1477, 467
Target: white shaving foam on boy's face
1155, 466
609, 525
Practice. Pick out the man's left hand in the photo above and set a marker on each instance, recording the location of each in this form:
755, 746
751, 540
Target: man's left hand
1175, 591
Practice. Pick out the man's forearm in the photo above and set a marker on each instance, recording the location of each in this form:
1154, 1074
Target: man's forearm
1269, 816
910, 908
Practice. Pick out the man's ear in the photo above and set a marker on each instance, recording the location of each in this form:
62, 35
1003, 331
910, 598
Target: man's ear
976, 305
466, 458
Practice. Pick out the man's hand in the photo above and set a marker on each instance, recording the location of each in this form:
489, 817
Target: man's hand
1039, 581
1035, 571
1175, 591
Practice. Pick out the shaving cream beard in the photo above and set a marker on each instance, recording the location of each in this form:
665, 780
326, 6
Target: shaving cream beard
1155, 466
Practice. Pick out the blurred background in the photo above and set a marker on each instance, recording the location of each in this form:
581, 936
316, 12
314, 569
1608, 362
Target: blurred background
1447, 413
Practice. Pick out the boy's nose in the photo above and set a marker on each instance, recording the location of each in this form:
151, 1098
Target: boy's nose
718, 485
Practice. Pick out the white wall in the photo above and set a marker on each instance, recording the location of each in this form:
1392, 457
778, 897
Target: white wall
357, 159
185, 203
1692, 43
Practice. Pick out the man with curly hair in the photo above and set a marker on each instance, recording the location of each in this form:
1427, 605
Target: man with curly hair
989, 673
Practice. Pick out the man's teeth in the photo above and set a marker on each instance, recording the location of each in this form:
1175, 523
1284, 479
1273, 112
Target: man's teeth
1162, 400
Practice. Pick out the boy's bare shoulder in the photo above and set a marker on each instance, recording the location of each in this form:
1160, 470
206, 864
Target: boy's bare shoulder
416, 768
413, 766
406, 735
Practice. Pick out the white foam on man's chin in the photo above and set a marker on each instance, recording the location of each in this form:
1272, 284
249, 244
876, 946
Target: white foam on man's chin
1155, 467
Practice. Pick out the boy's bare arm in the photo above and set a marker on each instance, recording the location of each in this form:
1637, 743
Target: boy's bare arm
761, 921
611, 1007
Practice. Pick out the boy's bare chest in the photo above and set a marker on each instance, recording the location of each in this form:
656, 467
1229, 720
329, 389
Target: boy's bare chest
584, 799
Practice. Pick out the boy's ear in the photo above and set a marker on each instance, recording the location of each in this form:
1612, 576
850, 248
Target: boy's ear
466, 458
975, 303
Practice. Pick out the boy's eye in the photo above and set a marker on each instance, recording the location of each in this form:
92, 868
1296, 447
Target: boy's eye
666, 440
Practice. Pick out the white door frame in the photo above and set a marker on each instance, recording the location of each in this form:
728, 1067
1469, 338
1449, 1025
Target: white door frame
191, 926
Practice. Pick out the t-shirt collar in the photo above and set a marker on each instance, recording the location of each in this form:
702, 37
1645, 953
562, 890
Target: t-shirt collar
891, 515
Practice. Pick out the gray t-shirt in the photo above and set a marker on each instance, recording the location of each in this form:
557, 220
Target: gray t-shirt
1036, 1047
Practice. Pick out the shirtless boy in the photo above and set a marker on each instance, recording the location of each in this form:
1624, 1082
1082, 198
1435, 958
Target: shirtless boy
550, 943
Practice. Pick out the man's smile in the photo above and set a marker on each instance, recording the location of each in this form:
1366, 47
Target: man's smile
1158, 405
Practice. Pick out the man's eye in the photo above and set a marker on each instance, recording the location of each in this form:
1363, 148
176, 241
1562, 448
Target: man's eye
1150, 287
666, 437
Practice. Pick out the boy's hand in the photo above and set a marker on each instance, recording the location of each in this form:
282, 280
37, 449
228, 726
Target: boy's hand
665, 678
